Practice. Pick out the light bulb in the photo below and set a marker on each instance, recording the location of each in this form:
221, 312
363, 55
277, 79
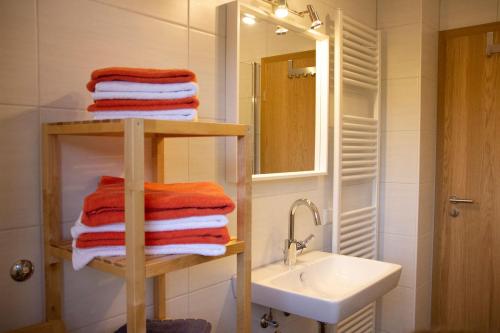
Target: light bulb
248, 19
281, 9
280, 30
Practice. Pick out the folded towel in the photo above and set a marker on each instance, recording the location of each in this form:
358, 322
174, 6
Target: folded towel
143, 105
82, 257
162, 201
98, 95
190, 236
174, 326
122, 86
144, 75
185, 223
179, 114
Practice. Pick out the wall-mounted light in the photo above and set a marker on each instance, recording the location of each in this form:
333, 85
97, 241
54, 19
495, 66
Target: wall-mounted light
313, 15
280, 31
248, 19
281, 9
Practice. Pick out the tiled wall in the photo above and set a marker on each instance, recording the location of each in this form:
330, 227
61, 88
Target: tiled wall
48, 49
410, 32
463, 13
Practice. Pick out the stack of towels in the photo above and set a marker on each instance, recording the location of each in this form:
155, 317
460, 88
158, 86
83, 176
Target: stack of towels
123, 92
182, 218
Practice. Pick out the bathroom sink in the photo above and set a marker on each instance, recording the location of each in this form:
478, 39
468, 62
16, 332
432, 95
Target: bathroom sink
323, 286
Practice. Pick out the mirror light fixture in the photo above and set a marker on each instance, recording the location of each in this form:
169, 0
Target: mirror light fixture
248, 19
280, 31
281, 10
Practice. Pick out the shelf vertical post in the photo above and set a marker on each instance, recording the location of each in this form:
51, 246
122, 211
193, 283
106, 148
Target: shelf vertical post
244, 264
159, 282
134, 225
51, 225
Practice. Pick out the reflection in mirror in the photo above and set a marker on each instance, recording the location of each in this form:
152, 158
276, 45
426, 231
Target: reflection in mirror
278, 95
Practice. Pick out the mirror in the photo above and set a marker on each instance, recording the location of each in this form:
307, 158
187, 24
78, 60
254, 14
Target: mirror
282, 89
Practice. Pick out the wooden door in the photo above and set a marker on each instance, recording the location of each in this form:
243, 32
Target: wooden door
287, 120
466, 281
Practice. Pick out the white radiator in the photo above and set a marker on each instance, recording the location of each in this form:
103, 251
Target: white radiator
356, 150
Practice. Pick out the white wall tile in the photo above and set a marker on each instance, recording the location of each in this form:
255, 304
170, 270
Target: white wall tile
430, 13
210, 273
401, 52
206, 159
426, 208
215, 304
399, 208
401, 104
207, 60
170, 10
71, 30
397, 311
401, 250
19, 179
463, 13
430, 37
427, 156
176, 160
391, 13
429, 105
400, 153
208, 16
423, 307
21, 303
424, 259
18, 60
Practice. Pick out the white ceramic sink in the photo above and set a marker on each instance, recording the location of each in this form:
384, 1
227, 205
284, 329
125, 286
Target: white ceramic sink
323, 286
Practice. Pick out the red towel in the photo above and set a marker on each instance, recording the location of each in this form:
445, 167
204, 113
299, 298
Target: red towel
193, 236
143, 75
144, 105
162, 201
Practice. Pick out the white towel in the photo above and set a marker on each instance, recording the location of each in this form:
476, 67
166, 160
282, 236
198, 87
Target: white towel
178, 114
123, 86
82, 257
98, 95
186, 223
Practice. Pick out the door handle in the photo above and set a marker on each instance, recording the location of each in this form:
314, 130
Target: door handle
455, 200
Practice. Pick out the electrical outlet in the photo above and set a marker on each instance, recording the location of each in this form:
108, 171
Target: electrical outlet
327, 216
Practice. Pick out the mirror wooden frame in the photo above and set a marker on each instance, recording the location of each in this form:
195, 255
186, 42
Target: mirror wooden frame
264, 11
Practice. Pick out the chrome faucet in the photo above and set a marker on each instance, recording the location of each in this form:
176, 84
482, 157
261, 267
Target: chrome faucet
300, 245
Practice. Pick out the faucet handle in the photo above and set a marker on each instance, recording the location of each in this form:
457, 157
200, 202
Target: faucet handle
301, 245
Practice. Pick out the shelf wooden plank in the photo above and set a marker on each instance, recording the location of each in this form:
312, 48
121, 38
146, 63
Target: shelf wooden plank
155, 265
160, 128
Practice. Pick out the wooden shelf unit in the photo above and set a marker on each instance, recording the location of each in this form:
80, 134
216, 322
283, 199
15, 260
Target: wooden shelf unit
135, 267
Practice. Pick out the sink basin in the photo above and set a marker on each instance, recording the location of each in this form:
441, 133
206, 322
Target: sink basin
323, 286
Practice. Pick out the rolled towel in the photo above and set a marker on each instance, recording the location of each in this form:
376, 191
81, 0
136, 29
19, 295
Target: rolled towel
162, 201
185, 223
178, 114
143, 75
143, 105
124, 86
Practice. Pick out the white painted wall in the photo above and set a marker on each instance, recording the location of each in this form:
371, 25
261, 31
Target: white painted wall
48, 50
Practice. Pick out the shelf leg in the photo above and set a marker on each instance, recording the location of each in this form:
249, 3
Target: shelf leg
159, 290
134, 225
51, 226
244, 264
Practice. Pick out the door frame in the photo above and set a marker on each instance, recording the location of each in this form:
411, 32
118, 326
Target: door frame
444, 36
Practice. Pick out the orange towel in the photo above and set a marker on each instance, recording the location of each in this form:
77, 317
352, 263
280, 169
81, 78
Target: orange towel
193, 236
143, 75
144, 105
162, 201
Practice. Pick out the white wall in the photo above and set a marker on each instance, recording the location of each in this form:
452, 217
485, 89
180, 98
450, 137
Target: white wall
410, 32
463, 13
48, 50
